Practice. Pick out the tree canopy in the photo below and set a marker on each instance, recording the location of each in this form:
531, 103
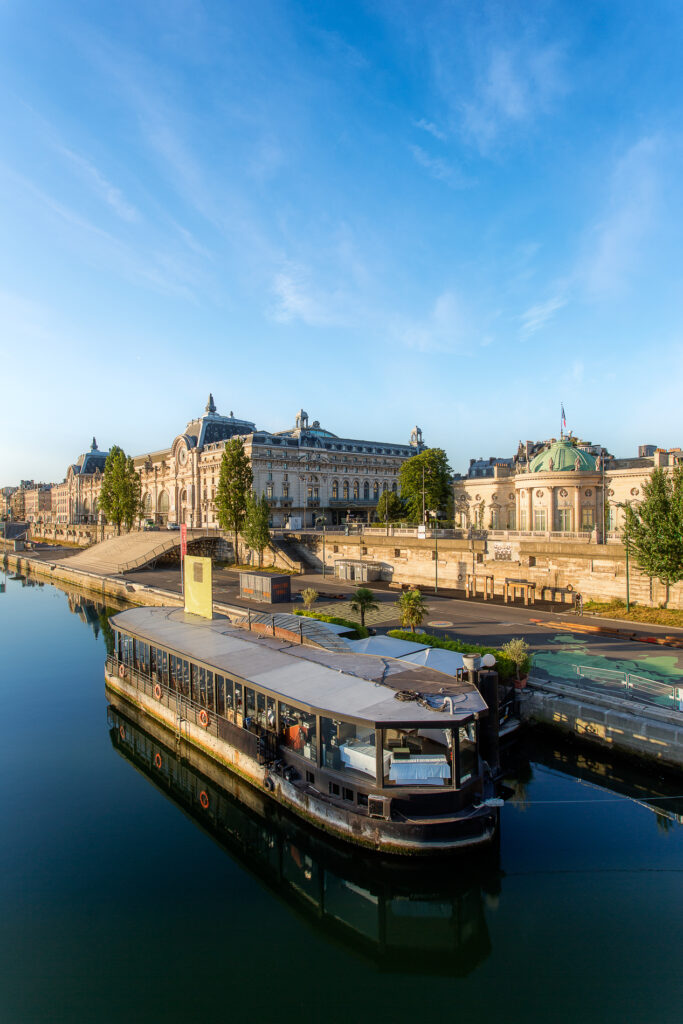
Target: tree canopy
653, 529
390, 508
362, 601
412, 608
256, 530
437, 480
234, 488
120, 497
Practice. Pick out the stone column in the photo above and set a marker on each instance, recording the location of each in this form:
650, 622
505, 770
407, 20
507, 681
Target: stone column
518, 508
577, 508
529, 508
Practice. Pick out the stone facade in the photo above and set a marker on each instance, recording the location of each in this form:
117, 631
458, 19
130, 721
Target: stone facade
304, 472
567, 489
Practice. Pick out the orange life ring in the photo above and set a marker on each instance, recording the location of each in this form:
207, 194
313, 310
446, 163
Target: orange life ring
122, 671
122, 732
204, 799
204, 718
157, 691
157, 760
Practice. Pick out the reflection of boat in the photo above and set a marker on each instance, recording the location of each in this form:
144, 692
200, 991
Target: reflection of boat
373, 750
392, 911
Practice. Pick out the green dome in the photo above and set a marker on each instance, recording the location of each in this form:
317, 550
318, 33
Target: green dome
563, 455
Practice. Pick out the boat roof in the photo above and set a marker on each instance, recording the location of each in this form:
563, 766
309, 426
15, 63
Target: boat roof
356, 686
419, 654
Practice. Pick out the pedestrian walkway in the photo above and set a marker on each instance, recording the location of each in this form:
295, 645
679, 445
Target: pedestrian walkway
129, 551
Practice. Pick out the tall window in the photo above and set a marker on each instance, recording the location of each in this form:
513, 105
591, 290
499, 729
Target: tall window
356, 490
366, 491
564, 520
335, 490
539, 519
346, 489
523, 524
375, 491
587, 519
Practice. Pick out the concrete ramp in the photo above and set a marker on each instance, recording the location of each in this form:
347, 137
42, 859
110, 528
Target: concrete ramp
131, 551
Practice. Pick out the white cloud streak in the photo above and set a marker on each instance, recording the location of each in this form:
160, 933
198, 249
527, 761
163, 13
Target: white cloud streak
109, 193
536, 317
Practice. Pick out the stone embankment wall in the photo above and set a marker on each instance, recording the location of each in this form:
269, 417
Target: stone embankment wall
650, 733
597, 571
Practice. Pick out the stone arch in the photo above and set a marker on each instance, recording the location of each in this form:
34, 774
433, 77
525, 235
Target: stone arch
356, 490
163, 503
366, 491
335, 490
147, 503
346, 490
86, 506
394, 487
375, 490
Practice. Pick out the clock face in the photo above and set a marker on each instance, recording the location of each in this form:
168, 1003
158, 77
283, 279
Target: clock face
182, 456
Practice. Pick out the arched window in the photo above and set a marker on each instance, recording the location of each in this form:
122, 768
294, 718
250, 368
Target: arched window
183, 496
86, 506
375, 490
147, 503
385, 487
394, 487
346, 489
335, 490
366, 491
356, 490
162, 503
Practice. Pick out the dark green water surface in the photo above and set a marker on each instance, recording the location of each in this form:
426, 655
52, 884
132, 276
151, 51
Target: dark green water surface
123, 899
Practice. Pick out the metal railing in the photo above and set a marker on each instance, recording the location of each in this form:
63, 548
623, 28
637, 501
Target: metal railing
627, 685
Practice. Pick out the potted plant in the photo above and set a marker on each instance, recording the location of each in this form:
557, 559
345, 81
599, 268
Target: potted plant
517, 651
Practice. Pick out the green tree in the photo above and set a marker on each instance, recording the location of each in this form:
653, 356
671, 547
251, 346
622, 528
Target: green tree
362, 601
120, 497
309, 596
517, 651
431, 470
234, 488
256, 530
390, 508
412, 608
654, 527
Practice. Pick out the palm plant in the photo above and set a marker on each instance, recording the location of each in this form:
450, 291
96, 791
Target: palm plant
309, 596
412, 608
362, 601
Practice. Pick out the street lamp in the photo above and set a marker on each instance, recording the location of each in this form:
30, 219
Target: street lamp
433, 515
622, 504
321, 519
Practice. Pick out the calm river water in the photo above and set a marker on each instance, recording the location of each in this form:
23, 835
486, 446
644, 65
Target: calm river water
121, 900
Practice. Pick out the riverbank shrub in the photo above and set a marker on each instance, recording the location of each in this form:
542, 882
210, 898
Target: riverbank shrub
504, 664
617, 610
360, 632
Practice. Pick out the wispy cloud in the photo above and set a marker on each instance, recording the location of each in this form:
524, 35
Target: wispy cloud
442, 170
296, 298
448, 327
614, 243
536, 317
517, 84
111, 195
429, 126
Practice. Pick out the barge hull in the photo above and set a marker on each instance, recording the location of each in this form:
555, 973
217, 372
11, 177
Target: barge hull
475, 827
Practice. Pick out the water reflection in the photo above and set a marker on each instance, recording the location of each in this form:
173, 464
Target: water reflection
431, 918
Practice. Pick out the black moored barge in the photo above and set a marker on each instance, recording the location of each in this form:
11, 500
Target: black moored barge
371, 749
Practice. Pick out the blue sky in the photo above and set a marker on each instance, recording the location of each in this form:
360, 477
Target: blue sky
452, 214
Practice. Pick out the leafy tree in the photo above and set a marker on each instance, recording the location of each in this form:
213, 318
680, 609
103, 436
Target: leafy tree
234, 489
362, 601
390, 508
120, 496
654, 528
256, 530
517, 651
309, 596
436, 479
412, 608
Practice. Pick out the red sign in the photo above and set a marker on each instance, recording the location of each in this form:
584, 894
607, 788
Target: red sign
183, 540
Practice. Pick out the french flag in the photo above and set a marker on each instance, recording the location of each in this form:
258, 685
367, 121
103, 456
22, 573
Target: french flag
564, 418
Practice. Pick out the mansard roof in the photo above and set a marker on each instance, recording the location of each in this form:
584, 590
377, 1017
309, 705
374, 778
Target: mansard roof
212, 427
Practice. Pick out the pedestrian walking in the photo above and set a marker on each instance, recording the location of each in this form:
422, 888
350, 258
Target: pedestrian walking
579, 604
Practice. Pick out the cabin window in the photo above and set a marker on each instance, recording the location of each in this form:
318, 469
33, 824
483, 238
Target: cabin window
185, 685
347, 794
362, 799
298, 731
206, 688
220, 695
127, 649
238, 698
467, 739
334, 788
194, 683
175, 666
143, 657
347, 747
418, 757
249, 705
310, 777
152, 661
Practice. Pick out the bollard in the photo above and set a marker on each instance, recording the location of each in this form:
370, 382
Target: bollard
487, 684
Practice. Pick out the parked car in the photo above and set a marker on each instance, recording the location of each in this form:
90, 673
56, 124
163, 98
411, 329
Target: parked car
149, 525
172, 526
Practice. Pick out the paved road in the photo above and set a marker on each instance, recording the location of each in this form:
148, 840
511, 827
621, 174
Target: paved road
475, 621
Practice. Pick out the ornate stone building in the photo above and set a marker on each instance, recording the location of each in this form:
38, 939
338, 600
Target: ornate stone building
304, 472
564, 488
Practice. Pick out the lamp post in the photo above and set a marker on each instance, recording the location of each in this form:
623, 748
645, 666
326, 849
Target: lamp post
321, 519
622, 504
433, 515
